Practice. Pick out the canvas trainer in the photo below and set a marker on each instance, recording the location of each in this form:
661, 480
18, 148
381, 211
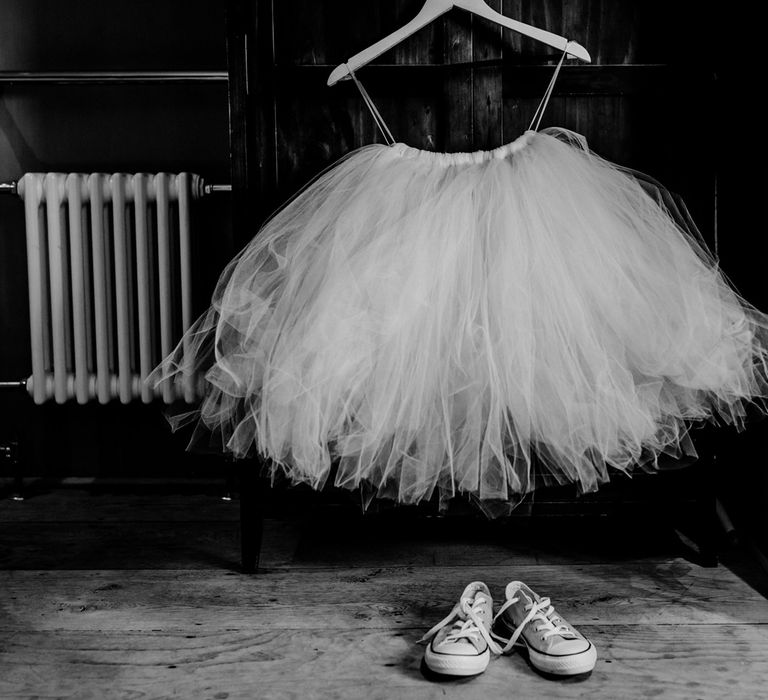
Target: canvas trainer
554, 646
460, 644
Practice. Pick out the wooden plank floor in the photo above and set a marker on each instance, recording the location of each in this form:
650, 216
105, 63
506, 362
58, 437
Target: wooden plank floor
138, 596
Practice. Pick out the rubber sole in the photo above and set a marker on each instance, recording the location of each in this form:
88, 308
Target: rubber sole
456, 664
570, 665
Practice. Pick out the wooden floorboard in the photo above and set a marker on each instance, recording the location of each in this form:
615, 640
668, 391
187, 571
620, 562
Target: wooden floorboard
635, 661
674, 592
138, 596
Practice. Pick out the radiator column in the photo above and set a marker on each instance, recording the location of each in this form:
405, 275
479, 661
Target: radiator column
30, 188
110, 282
75, 189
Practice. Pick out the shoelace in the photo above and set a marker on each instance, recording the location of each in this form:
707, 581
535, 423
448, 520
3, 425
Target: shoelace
539, 610
467, 623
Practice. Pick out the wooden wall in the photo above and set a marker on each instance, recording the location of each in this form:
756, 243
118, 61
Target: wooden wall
741, 152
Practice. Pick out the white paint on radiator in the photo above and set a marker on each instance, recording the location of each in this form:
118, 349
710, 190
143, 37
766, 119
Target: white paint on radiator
110, 282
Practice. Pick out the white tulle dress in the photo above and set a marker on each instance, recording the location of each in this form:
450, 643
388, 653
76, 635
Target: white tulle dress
421, 324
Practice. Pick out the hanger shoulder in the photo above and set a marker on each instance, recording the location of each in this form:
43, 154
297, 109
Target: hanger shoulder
431, 10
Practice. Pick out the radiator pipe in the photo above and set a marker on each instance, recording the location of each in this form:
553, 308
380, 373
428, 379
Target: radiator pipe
112, 77
11, 187
212, 189
18, 384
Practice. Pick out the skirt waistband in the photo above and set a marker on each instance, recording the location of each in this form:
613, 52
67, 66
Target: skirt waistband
518, 144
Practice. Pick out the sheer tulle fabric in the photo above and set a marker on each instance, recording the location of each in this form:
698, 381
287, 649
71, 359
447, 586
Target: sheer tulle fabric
428, 322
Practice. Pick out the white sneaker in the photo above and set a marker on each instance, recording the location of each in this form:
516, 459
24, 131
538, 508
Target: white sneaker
553, 645
461, 642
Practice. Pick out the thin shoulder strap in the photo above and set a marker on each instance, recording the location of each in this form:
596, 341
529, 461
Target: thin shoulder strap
539, 113
385, 132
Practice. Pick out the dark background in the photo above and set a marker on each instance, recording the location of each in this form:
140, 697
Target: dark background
673, 90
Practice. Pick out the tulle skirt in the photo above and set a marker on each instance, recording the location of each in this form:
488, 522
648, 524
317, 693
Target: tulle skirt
422, 324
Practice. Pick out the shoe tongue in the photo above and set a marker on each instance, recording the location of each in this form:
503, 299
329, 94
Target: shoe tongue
476, 589
470, 601
517, 610
525, 596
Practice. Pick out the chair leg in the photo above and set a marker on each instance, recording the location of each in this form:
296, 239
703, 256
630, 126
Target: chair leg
701, 529
18, 488
709, 524
251, 516
698, 524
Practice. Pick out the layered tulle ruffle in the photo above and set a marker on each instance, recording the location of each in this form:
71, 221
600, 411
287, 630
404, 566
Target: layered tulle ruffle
427, 323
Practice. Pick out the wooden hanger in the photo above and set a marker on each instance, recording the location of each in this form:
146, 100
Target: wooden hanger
433, 9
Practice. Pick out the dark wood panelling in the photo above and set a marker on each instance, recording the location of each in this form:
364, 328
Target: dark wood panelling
487, 83
740, 151
319, 33
242, 173
619, 31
